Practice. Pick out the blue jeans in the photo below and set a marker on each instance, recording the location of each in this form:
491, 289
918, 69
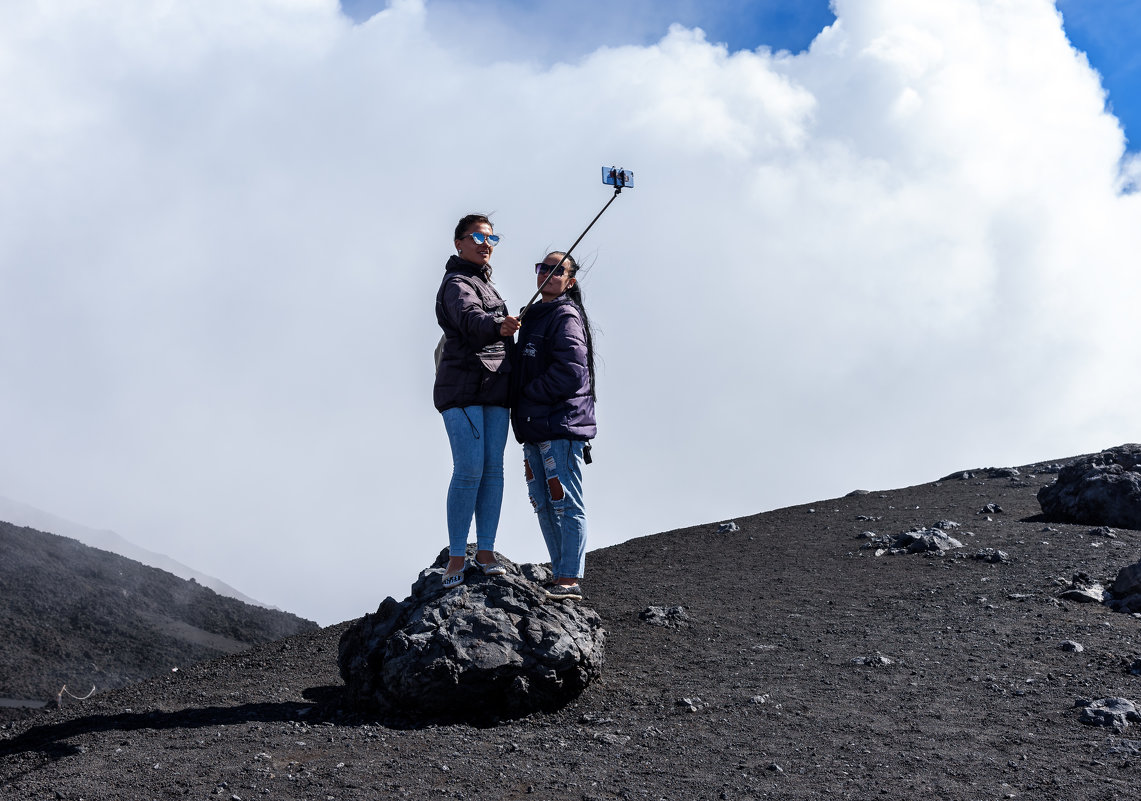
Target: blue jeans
554, 482
477, 435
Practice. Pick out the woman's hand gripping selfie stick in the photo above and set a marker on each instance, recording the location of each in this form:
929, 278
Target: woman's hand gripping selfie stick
613, 176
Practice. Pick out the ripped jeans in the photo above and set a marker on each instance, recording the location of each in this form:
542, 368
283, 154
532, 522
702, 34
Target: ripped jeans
554, 482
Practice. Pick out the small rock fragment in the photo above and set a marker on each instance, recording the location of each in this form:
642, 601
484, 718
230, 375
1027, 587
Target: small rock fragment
1116, 712
1084, 589
992, 555
926, 539
671, 617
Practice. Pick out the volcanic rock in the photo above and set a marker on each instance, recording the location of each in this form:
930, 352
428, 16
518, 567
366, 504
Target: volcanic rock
671, 617
1102, 489
991, 555
1128, 581
926, 539
493, 647
1084, 589
1115, 712
1125, 593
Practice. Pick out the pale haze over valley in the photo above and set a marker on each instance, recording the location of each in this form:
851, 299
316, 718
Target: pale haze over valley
903, 246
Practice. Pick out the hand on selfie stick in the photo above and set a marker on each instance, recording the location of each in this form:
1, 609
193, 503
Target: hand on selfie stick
509, 326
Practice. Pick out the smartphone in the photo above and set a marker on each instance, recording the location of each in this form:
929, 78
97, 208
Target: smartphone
616, 176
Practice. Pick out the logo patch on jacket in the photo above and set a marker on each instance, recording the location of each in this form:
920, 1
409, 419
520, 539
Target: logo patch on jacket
529, 350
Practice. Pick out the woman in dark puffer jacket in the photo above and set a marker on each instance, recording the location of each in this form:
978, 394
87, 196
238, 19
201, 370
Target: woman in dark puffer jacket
472, 392
553, 416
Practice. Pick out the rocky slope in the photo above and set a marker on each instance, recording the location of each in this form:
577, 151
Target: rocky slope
81, 617
800, 665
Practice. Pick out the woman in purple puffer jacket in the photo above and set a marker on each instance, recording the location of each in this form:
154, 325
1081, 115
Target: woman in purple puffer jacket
472, 392
553, 416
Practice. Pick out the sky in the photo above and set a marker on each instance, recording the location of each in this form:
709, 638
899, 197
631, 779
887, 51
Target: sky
868, 245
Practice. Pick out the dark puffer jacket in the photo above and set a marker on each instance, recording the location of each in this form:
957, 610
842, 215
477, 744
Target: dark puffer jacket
553, 397
475, 363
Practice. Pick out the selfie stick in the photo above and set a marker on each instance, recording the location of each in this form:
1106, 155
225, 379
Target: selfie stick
614, 176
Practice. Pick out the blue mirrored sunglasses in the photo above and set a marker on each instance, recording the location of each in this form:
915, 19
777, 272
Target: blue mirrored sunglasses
480, 238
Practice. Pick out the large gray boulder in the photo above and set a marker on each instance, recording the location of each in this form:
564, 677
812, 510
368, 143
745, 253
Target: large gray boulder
1103, 489
492, 648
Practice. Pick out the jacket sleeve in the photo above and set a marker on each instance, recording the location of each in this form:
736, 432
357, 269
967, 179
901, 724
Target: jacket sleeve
567, 374
464, 310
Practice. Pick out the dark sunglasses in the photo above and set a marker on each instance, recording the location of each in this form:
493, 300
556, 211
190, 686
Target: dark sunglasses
541, 268
480, 238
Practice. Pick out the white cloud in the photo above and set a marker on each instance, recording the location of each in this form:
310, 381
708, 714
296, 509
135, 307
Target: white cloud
899, 253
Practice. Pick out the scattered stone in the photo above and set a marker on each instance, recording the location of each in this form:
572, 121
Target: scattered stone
775, 768
694, 704
876, 660
1128, 581
992, 555
1125, 592
1135, 668
925, 539
857, 493
1002, 472
1115, 712
1084, 589
725, 528
962, 475
991, 509
759, 699
670, 617
1102, 490
946, 525
490, 647
1071, 646
869, 518
1103, 531
1126, 748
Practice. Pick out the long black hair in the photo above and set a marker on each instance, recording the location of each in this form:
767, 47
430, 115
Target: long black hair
575, 294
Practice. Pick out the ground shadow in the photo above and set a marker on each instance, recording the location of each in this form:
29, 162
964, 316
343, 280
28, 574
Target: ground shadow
49, 739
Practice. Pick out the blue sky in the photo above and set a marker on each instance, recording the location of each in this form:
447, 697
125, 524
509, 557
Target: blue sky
1108, 31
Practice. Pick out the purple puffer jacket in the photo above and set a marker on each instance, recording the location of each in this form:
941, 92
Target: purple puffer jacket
475, 364
553, 397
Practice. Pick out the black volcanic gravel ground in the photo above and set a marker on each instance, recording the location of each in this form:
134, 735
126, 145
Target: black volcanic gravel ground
978, 702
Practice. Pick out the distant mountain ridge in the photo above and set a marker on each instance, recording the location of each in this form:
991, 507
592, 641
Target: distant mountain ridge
21, 514
84, 617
